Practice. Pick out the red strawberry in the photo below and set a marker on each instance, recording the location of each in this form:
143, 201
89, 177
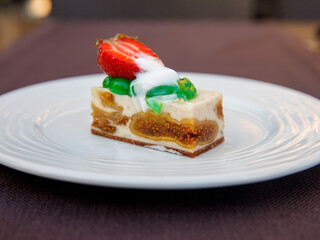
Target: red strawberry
116, 56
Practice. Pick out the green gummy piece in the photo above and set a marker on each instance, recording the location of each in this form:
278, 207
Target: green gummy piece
187, 88
154, 104
106, 81
162, 90
118, 86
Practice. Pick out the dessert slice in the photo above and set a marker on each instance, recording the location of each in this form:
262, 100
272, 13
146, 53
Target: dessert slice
145, 103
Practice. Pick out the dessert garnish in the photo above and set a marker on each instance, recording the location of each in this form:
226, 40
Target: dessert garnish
135, 70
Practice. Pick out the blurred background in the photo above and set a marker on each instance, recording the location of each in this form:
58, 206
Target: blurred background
300, 17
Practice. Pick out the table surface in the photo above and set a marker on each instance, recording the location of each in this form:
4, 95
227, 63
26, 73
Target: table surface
37, 208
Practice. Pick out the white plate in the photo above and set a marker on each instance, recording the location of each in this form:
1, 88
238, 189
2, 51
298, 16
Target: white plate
271, 131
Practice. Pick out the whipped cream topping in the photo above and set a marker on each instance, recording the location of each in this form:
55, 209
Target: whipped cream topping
153, 73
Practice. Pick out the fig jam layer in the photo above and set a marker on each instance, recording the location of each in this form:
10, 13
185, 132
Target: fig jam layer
188, 133
107, 100
106, 121
219, 110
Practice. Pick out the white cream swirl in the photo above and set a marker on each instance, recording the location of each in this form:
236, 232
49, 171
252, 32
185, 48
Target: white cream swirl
153, 73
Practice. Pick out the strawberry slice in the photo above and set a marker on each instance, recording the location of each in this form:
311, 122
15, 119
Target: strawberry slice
116, 56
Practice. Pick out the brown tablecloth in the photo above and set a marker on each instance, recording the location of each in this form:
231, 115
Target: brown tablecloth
287, 208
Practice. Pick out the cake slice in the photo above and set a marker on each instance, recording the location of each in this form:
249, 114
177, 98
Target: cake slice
142, 102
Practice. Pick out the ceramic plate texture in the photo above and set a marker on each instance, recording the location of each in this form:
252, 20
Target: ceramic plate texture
271, 131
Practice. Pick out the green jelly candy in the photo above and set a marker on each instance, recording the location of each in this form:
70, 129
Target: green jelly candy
187, 88
162, 90
106, 82
119, 86
154, 104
